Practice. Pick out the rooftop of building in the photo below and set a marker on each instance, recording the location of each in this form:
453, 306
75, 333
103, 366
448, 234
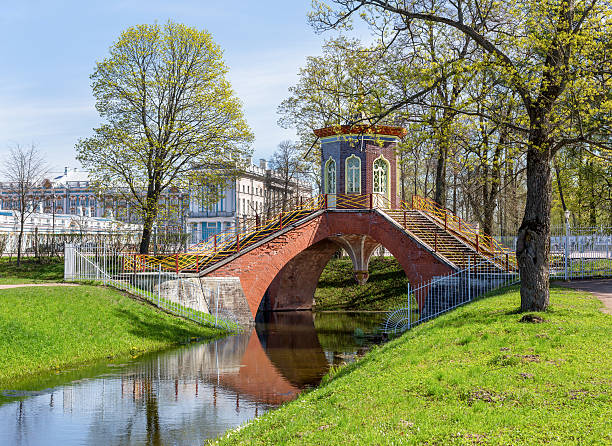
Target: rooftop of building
71, 176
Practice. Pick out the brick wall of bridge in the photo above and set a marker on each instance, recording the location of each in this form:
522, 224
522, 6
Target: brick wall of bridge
259, 267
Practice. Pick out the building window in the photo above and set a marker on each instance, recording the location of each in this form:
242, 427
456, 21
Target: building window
381, 176
353, 175
330, 176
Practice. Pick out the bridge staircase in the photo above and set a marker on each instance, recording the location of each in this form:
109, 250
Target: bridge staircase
433, 236
452, 238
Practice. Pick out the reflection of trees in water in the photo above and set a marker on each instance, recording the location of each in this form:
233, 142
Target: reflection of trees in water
336, 331
22, 431
152, 411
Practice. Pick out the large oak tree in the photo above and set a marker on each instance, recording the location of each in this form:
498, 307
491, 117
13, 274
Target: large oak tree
553, 54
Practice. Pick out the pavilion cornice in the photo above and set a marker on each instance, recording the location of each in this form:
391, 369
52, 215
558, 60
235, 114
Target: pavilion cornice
361, 129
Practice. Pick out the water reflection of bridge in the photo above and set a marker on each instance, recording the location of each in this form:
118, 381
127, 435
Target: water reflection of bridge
269, 366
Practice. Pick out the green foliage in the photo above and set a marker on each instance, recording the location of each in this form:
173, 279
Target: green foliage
586, 185
548, 60
171, 117
340, 331
386, 288
473, 376
59, 327
344, 83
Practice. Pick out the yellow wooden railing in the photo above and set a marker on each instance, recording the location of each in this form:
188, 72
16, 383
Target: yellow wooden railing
231, 241
484, 244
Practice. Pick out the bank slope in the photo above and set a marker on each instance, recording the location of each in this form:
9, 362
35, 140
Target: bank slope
474, 376
52, 328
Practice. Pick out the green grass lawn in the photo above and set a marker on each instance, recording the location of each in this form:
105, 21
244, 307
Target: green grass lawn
43, 329
473, 376
31, 270
337, 289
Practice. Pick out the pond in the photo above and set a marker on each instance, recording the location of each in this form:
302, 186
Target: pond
187, 394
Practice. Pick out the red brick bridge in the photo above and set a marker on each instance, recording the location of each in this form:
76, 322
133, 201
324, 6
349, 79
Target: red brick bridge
287, 263
359, 211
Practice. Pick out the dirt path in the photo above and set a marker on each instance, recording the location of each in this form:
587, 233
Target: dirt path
20, 285
601, 288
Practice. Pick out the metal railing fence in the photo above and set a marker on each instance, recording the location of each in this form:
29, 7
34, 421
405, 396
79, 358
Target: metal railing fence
444, 293
576, 252
176, 293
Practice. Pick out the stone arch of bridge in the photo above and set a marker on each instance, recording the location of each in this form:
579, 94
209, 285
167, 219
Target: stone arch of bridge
295, 259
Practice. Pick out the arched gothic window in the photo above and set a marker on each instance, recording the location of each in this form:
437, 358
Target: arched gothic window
381, 176
353, 175
330, 176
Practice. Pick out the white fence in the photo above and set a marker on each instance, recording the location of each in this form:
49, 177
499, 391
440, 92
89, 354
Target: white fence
177, 293
576, 253
45, 244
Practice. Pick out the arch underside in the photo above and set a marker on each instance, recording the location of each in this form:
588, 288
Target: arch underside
294, 286
288, 267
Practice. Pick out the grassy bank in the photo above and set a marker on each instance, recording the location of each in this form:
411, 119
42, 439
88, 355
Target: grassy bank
31, 270
43, 329
337, 289
473, 376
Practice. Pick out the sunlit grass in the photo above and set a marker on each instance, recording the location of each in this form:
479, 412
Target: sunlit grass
43, 329
475, 375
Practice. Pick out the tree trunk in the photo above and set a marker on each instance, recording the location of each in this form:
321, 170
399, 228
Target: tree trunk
559, 185
440, 195
455, 191
533, 245
145, 240
150, 214
19, 239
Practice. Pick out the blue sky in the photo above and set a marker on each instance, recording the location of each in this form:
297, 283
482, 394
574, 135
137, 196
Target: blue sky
49, 48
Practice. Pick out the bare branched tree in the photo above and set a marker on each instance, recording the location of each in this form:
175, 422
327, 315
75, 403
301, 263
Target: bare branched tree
25, 170
289, 165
